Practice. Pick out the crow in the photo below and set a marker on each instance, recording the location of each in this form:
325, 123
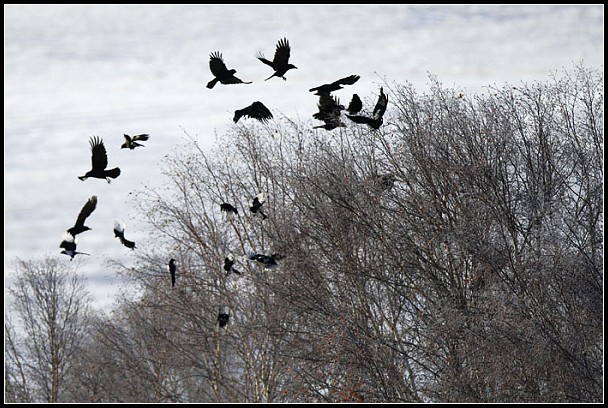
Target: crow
256, 205
334, 86
280, 63
221, 73
131, 142
99, 162
172, 269
269, 261
119, 232
329, 112
355, 105
256, 110
87, 209
376, 120
68, 244
228, 265
223, 318
227, 208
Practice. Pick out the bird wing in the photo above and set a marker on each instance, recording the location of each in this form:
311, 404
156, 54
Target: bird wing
261, 57
282, 53
216, 64
127, 138
380, 107
355, 105
142, 137
349, 80
99, 157
258, 111
360, 119
87, 209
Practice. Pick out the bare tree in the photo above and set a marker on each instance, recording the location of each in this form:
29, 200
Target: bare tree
48, 319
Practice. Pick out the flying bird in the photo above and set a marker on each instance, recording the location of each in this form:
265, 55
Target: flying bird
280, 62
119, 232
228, 265
223, 318
269, 261
376, 120
256, 110
87, 209
99, 162
227, 208
131, 141
329, 112
221, 73
256, 205
68, 244
172, 269
334, 86
355, 105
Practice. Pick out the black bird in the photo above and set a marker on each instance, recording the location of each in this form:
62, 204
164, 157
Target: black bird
227, 208
99, 162
269, 261
334, 86
329, 112
376, 120
172, 269
280, 63
119, 232
68, 244
228, 265
355, 105
223, 318
256, 110
87, 209
131, 141
221, 73
256, 205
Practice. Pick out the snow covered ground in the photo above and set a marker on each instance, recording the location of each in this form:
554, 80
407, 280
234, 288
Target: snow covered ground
74, 71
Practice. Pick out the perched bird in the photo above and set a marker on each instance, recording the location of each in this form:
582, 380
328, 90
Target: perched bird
172, 270
256, 110
269, 261
68, 244
99, 162
221, 73
376, 120
382, 182
355, 105
329, 112
131, 141
228, 265
334, 86
223, 318
87, 209
256, 205
280, 62
119, 232
227, 208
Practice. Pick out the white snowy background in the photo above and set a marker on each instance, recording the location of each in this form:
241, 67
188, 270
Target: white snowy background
74, 71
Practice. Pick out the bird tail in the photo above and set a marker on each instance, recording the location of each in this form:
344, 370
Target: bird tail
212, 83
83, 178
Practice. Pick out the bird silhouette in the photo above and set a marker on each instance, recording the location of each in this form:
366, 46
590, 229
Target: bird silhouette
68, 244
256, 205
223, 318
355, 105
376, 120
87, 209
269, 261
99, 162
227, 208
329, 112
172, 267
280, 62
229, 265
119, 232
334, 86
221, 73
256, 110
131, 141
